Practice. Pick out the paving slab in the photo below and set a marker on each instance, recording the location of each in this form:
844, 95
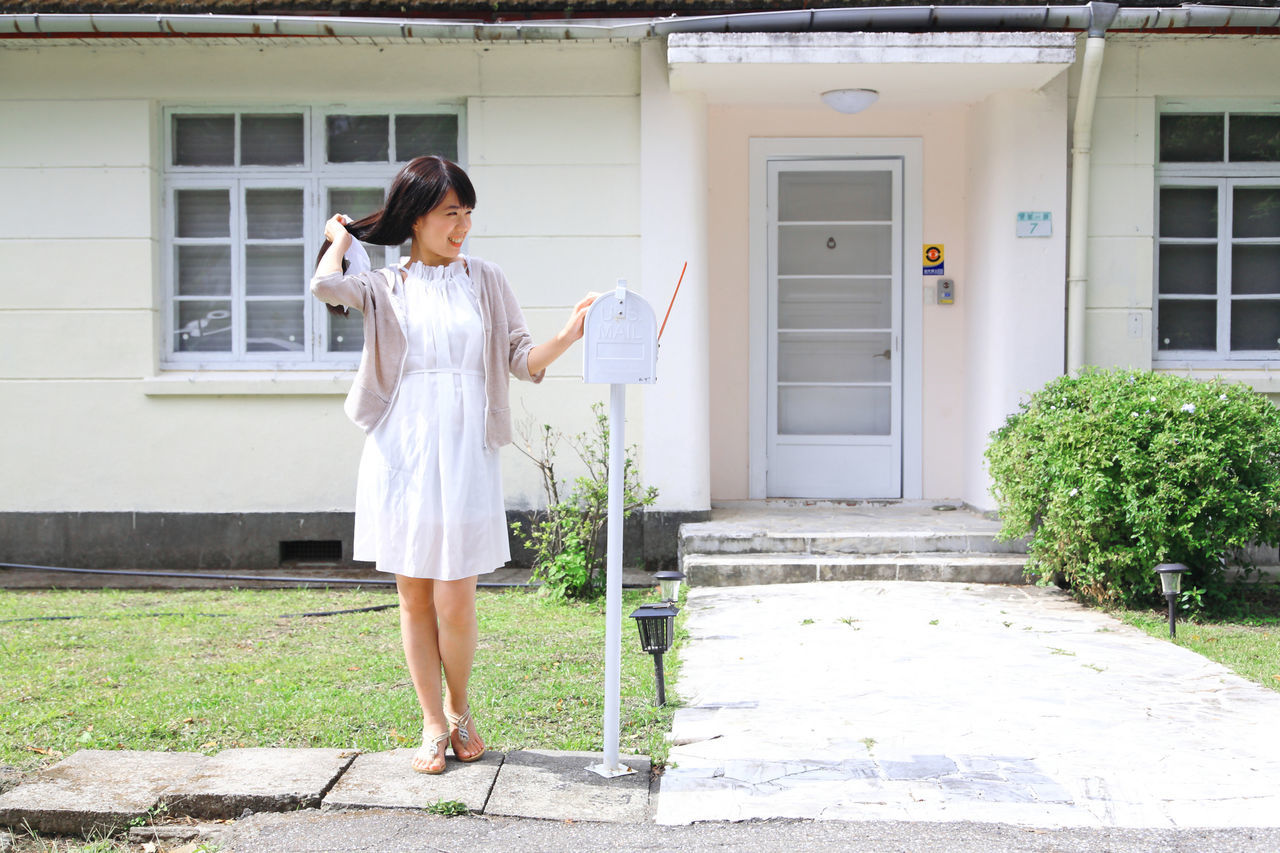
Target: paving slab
386, 780
262, 780
558, 786
951, 702
95, 790
178, 833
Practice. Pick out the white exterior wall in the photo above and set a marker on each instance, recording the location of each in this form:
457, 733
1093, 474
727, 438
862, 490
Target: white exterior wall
1015, 322
1138, 73
552, 144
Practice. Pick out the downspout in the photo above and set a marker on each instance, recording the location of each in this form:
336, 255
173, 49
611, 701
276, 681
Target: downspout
1100, 17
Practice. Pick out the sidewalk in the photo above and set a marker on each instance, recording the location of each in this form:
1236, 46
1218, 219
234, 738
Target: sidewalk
952, 702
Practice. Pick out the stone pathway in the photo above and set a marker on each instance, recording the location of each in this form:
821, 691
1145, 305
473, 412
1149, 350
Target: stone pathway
948, 702
102, 790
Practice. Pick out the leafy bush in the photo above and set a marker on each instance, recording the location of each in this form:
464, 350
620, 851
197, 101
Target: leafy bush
1114, 472
568, 541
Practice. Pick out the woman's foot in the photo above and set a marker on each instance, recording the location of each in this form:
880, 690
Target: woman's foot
429, 758
466, 742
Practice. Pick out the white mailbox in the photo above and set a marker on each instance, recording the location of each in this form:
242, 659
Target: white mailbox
620, 339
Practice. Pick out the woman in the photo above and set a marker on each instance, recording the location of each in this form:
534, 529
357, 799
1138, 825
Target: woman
442, 334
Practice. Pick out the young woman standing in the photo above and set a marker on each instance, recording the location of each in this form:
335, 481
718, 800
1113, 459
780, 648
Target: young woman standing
442, 335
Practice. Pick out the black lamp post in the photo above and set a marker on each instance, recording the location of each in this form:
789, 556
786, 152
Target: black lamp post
669, 581
657, 630
1171, 585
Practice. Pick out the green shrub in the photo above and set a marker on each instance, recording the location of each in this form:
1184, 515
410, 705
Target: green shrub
568, 541
1114, 472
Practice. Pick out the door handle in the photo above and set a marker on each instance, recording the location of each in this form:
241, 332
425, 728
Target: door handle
887, 355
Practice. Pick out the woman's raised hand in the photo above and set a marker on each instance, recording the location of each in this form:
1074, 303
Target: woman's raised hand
335, 231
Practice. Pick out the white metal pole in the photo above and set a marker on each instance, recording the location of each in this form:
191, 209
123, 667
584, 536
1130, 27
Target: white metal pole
613, 577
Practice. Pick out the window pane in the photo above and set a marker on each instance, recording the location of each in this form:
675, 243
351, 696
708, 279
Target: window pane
271, 140
816, 303
204, 140
426, 134
274, 326
346, 333
203, 213
1255, 269
835, 250
356, 203
358, 139
1191, 138
1255, 138
203, 270
273, 214
1255, 212
807, 357
1189, 212
1255, 324
274, 271
1188, 269
835, 196
1188, 325
823, 410
203, 326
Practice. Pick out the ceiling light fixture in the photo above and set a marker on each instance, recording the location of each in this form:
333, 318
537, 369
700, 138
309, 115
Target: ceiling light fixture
850, 101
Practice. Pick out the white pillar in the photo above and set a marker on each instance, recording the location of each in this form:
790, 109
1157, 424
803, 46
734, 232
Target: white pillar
673, 230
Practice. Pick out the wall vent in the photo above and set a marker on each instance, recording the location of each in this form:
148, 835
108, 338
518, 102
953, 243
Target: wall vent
311, 551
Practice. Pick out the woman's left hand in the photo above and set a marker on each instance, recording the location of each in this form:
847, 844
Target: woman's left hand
577, 318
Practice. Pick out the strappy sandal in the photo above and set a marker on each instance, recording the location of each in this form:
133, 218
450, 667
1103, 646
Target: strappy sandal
460, 725
428, 751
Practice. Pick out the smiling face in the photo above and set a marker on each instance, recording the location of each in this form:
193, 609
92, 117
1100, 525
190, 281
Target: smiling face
438, 235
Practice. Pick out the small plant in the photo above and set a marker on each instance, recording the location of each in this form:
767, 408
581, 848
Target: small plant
448, 808
568, 542
1113, 472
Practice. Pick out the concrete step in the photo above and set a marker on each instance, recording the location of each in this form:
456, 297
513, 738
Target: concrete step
710, 538
750, 568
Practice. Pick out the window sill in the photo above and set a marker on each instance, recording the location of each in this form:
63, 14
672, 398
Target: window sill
247, 384
1259, 376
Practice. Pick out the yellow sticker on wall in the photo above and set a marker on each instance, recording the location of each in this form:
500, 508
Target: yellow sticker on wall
933, 259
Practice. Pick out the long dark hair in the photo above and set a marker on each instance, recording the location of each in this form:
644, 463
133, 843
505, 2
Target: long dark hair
418, 189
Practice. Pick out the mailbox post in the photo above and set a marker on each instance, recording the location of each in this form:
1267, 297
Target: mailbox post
620, 347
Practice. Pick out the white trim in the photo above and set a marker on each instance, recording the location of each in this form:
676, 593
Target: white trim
761, 151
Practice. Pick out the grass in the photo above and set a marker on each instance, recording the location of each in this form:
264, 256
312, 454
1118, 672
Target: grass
204, 671
1247, 640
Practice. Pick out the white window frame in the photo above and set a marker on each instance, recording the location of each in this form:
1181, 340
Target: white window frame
1224, 176
314, 176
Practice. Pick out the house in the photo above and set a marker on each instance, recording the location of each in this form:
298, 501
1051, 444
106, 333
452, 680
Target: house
898, 220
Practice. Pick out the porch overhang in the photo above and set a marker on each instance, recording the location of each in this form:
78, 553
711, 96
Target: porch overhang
907, 69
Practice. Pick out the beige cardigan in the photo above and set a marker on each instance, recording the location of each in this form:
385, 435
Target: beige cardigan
379, 295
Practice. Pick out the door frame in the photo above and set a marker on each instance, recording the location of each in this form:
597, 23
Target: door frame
761, 152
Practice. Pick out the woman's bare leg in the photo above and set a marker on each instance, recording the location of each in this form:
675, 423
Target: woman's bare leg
419, 633
455, 605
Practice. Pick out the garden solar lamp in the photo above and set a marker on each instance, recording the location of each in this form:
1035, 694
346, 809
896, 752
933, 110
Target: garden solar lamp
1171, 585
657, 628
669, 581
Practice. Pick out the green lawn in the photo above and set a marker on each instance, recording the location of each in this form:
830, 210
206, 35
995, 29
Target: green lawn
209, 670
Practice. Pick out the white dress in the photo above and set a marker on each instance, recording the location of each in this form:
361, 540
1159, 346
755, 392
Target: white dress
429, 494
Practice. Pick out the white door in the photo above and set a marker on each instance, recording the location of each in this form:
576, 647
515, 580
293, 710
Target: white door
835, 328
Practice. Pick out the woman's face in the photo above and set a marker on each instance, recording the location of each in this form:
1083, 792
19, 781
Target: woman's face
438, 235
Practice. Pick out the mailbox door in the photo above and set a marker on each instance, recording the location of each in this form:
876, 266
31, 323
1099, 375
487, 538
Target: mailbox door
835, 302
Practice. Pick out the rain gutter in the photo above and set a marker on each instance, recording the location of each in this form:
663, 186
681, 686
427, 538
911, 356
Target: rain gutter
883, 19
1081, 159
